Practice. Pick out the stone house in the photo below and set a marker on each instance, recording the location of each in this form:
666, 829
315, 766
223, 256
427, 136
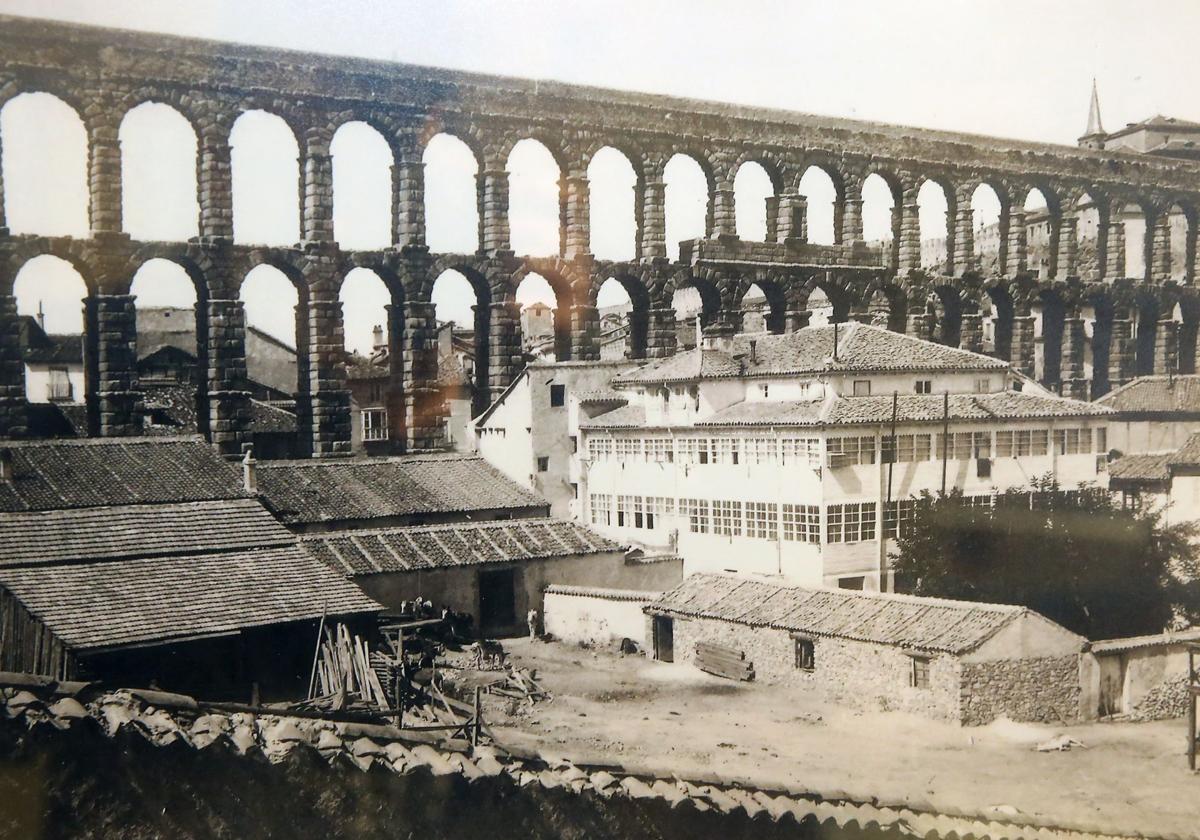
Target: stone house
948, 660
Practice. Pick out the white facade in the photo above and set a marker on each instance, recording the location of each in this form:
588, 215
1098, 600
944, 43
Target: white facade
786, 475
53, 383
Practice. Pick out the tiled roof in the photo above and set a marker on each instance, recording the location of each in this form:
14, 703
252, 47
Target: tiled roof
56, 350
1155, 395
1187, 455
91, 606
844, 411
860, 348
1169, 637
136, 531
907, 621
115, 471
269, 419
313, 491
461, 544
1140, 468
601, 395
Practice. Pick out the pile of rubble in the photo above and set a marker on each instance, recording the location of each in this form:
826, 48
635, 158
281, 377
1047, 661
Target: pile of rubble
1168, 699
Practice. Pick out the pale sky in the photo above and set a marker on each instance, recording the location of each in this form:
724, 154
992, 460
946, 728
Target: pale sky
1019, 69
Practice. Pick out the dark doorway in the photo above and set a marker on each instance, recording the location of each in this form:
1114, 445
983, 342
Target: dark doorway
664, 638
497, 600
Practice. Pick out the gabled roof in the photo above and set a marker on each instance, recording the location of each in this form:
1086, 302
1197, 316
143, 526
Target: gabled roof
105, 604
1158, 122
361, 489
861, 348
461, 544
137, 531
1187, 455
1155, 395
99, 472
907, 621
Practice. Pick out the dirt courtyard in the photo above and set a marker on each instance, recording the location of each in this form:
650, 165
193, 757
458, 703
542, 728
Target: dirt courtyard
673, 718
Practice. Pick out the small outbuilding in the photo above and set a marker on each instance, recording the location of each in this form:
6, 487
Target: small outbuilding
948, 660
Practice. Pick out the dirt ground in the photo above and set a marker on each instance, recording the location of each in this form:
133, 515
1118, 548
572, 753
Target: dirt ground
673, 718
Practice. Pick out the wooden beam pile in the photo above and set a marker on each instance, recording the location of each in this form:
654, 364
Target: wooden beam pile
345, 675
723, 661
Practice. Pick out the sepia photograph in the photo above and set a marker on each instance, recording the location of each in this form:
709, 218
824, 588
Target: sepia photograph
523, 420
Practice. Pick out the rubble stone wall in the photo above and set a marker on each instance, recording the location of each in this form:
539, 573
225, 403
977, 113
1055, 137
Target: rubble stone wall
1037, 689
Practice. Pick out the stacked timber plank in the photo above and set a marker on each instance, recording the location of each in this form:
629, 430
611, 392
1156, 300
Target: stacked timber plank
723, 661
345, 674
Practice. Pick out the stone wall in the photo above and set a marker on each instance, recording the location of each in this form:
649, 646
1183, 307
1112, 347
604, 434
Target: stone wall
860, 675
1043, 689
594, 616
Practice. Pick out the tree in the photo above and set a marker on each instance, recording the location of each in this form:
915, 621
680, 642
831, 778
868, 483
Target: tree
1076, 557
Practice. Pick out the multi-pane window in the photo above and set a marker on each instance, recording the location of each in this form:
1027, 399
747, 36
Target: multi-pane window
599, 448
628, 448
624, 511
978, 501
657, 507
374, 424
1102, 441
847, 451
908, 448
759, 450
963, 446
898, 517
805, 452
862, 387
694, 450
601, 507
697, 514
1021, 443
801, 523
659, 450
983, 386
727, 518
1072, 441
923, 386
726, 450
854, 522
762, 520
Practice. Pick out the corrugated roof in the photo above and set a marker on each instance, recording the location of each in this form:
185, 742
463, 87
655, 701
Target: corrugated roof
460, 544
860, 348
91, 606
137, 531
313, 491
1155, 395
930, 624
100, 472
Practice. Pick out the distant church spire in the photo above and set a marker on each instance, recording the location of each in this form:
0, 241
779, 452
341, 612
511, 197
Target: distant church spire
1094, 137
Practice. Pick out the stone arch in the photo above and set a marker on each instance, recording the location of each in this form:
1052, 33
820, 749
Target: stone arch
885, 304
362, 165
167, 137
774, 303
756, 200
256, 308
481, 323
945, 300
838, 297
1149, 310
1099, 296
1042, 217
882, 197
275, 178
46, 132
1000, 312
452, 169
989, 220
613, 181
637, 321
687, 210
562, 290
1188, 309
934, 197
375, 360
821, 181
535, 197
1050, 306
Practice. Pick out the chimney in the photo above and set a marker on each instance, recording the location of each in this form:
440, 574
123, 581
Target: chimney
41, 316
377, 337
753, 352
249, 469
6, 470
699, 332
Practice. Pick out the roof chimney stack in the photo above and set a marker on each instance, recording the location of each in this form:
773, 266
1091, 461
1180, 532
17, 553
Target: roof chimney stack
249, 469
377, 337
753, 352
6, 469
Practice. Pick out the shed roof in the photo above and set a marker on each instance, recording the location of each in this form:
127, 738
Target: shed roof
460, 544
98, 472
860, 348
103, 605
358, 489
1140, 468
137, 531
928, 624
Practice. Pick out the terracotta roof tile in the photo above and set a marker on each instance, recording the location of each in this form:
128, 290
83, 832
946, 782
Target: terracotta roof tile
136, 531
372, 488
110, 604
861, 347
409, 549
1140, 468
100, 472
930, 624
1155, 395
